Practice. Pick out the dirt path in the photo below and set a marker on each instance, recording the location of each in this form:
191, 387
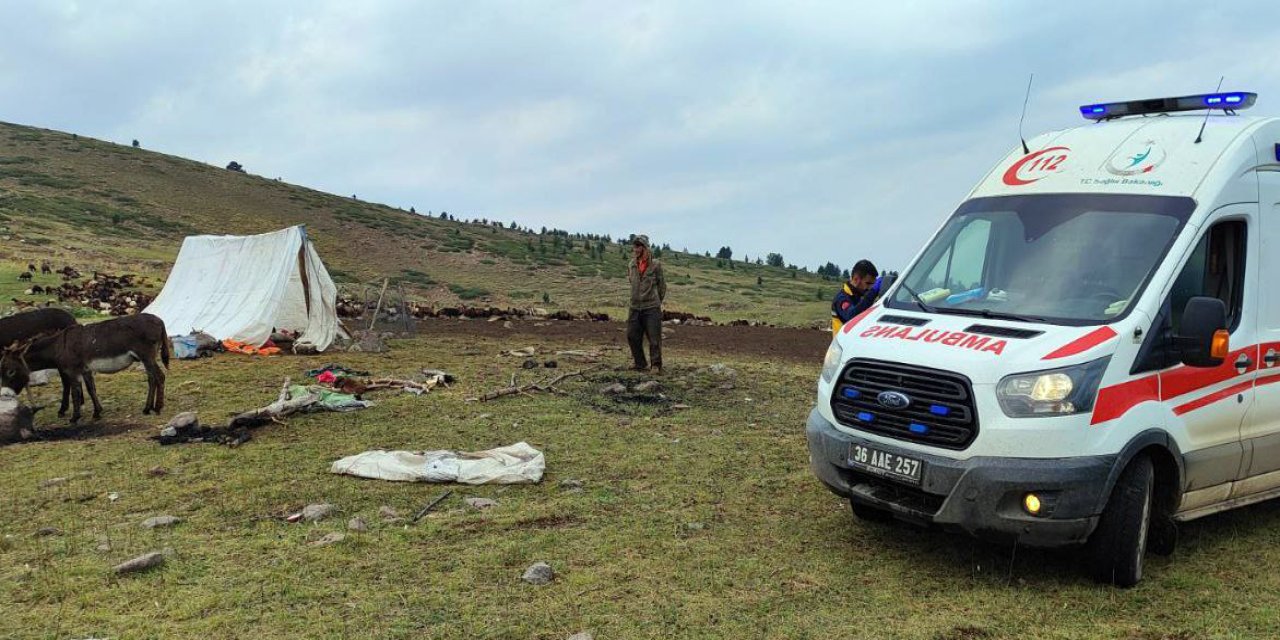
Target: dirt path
765, 343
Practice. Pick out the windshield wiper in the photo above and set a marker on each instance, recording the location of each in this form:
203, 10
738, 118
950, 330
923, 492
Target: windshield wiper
992, 315
916, 297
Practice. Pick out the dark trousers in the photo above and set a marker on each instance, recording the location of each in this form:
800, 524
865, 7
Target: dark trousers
640, 323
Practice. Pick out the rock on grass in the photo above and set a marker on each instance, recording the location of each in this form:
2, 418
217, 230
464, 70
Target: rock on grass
332, 538
481, 504
539, 574
317, 512
160, 522
140, 563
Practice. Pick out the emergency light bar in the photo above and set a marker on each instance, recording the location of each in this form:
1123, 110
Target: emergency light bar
1233, 101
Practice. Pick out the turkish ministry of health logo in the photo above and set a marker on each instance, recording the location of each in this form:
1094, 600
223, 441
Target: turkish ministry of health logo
1135, 159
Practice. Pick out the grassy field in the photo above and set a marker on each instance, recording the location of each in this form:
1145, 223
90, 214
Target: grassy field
98, 205
703, 522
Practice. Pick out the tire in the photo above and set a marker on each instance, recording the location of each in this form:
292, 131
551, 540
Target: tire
1115, 550
870, 514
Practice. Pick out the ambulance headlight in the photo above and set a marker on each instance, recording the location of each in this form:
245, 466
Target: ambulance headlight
831, 363
1055, 392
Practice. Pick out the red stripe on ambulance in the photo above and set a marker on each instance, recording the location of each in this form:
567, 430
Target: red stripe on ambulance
1083, 343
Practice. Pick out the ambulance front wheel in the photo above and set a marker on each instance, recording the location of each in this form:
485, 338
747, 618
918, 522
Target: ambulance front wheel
1115, 550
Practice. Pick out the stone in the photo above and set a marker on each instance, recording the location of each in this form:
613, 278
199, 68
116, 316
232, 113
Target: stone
582, 635
648, 386
694, 526
317, 512
571, 483
484, 416
613, 389
539, 574
357, 524
680, 406
140, 563
368, 342
722, 371
17, 421
387, 513
330, 538
44, 532
507, 324
160, 521
481, 504
52, 482
156, 472
104, 544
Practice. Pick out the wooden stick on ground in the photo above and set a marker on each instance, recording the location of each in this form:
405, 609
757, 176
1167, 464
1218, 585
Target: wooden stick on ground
548, 386
431, 505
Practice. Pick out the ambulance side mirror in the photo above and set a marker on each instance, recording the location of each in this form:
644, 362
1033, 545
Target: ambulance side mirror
1203, 339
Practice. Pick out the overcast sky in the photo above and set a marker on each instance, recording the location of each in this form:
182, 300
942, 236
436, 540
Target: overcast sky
820, 130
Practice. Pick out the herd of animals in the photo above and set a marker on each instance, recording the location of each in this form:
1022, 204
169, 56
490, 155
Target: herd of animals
104, 293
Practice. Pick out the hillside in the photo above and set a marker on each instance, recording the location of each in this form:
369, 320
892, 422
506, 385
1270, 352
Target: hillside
102, 206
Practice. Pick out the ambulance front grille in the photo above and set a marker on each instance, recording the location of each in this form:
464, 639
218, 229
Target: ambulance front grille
940, 412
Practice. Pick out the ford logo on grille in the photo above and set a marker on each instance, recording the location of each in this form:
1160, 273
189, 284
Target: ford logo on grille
893, 400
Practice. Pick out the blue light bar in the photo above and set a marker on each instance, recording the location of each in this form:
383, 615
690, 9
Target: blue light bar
918, 428
851, 393
1278, 152
1230, 101
939, 410
865, 417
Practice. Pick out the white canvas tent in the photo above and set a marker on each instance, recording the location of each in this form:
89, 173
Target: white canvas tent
241, 287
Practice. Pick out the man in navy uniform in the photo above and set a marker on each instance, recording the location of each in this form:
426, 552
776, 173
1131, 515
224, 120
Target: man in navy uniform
857, 295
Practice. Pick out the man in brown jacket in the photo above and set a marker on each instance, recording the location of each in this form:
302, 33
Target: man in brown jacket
648, 290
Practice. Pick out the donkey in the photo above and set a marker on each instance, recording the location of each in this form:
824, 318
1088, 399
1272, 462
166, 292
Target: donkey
24, 326
106, 347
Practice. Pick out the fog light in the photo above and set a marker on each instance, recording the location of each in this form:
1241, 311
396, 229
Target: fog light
1031, 502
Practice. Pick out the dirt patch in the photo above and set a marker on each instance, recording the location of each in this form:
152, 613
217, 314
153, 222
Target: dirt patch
766, 343
86, 431
964, 632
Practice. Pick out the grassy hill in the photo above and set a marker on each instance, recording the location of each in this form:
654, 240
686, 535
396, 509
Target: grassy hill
99, 205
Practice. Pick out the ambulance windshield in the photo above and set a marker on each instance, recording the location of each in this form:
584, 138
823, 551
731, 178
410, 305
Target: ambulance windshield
1071, 259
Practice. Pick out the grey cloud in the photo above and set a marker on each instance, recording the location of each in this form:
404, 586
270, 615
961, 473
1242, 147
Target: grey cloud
824, 131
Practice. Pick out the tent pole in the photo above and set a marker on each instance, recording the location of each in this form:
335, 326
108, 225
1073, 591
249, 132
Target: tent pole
385, 282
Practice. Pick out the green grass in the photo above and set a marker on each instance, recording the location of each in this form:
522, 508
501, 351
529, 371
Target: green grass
777, 556
468, 293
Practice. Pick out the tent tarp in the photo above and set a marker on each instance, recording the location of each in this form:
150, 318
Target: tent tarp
241, 287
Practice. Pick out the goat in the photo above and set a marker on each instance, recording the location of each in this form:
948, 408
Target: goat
24, 326
79, 351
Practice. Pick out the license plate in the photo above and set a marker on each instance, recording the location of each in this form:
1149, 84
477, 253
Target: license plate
883, 463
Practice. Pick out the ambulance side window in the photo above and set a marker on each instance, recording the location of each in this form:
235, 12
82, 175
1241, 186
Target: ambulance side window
1215, 269
970, 256
961, 266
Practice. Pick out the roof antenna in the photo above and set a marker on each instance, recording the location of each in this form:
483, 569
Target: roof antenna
1200, 136
1025, 149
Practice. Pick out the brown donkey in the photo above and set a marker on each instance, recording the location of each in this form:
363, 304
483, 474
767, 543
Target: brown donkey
79, 351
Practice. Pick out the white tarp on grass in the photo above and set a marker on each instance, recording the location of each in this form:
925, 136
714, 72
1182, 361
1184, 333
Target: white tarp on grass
242, 287
515, 464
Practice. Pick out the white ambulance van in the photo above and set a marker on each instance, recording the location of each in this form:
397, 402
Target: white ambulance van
1084, 353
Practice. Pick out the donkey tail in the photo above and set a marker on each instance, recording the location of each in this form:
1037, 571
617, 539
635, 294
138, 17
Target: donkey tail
166, 345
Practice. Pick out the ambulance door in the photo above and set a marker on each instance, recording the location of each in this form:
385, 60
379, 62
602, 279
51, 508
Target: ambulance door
1261, 430
1211, 402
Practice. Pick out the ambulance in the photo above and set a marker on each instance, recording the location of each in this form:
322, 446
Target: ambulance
1084, 353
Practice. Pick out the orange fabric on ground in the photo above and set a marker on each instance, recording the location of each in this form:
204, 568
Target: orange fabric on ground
234, 346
